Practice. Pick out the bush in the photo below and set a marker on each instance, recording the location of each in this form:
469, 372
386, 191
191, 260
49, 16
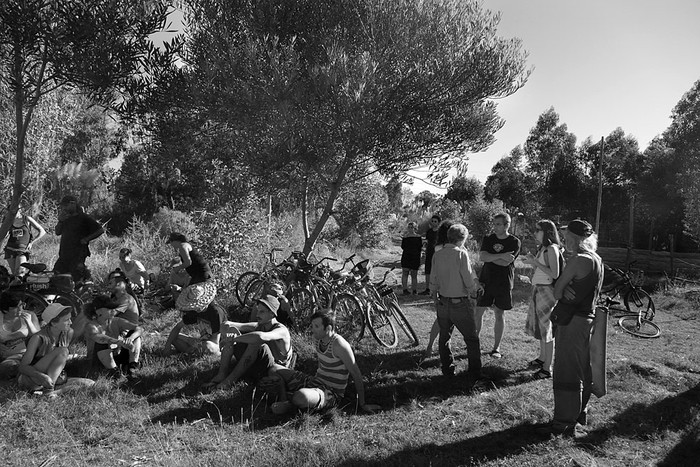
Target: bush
362, 215
480, 216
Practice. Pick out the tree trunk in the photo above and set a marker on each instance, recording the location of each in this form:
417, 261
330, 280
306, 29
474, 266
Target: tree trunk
328, 208
305, 210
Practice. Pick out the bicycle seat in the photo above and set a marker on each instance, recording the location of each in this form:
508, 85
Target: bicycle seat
34, 268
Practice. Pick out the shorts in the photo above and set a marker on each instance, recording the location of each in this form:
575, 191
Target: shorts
264, 360
499, 296
9, 254
327, 398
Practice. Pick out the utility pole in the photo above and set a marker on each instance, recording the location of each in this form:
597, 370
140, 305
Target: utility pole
600, 185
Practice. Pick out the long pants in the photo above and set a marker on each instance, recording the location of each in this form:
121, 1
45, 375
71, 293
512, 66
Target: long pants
458, 312
572, 378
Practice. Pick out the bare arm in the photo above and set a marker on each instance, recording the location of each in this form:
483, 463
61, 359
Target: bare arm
261, 337
173, 335
26, 368
501, 259
344, 352
184, 252
38, 227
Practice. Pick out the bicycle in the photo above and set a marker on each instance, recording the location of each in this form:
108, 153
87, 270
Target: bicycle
387, 295
635, 299
270, 270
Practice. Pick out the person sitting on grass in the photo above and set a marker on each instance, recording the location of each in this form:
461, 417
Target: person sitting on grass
197, 307
336, 362
41, 368
112, 341
252, 349
133, 269
285, 315
16, 325
124, 304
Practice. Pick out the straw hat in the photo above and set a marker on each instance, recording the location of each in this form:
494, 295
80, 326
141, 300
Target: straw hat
196, 297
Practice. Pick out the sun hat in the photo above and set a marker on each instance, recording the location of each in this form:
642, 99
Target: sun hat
580, 228
270, 302
52, 311
196, 297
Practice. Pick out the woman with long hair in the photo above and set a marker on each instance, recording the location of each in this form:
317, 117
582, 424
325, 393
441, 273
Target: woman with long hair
546, 263
574, 317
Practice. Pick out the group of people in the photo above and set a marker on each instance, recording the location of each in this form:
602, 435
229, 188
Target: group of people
562, 307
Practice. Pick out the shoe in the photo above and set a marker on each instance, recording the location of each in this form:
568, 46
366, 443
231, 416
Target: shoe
406, 292
425, 292
542, 374
549, 430
129, 369
415, 292
582, 418
281, 408
536, 363
495, 354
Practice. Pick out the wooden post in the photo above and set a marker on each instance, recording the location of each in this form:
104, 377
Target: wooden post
600, 186
269, 220
630, 236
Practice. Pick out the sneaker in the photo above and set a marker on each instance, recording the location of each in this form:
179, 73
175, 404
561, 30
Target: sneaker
406, 292
542, 374
495, 354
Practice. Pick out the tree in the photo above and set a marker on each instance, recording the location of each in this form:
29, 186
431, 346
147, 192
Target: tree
333, 92
394, 191
683, 136
465, 190
99, 46
509, 183
426, 199
363, 214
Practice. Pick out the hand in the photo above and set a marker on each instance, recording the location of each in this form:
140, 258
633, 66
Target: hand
569, 293
508, 257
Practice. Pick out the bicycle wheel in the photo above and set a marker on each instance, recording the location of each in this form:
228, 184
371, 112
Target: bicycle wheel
381, 327
303, 306
254, 291
405, 326
639, 327
242, 284
33, 301
349, 318
637, 301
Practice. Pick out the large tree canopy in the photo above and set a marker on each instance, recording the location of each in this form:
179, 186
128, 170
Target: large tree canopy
327, 93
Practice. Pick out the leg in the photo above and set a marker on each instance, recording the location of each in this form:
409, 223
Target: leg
135, 352
52, 363
106, 357
463, 317
479, 318
227, 359
548, 356
499, 327
446, 359
404, 279
414, 280
434, 333
255, 361
309, 398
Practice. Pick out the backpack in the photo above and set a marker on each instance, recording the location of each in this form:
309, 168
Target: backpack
562, 263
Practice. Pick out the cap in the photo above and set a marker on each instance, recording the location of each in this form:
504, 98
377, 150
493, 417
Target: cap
270, 302
69, 199
52, 311
580, 228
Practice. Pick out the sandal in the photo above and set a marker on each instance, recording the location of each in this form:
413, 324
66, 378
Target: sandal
536, 363
542, 374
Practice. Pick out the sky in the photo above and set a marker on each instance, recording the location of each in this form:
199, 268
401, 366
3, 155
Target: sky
602, 64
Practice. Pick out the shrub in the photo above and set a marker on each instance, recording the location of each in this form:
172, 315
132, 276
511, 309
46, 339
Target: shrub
362, 215
479, 217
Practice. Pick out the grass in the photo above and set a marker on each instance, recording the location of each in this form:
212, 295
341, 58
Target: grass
651, 415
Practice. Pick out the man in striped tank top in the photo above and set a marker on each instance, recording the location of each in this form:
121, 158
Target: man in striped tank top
336, 361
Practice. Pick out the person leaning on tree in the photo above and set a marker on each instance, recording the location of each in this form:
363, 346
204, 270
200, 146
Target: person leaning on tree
76, 230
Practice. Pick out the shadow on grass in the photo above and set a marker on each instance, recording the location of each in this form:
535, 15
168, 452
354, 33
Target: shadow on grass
680, 412
491, 446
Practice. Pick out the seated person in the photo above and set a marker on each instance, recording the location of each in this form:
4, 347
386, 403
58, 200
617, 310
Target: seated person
133, 269
284, 314
253, 349
124, 305
41, 368
114, 342
198, 308
336, 361
16, 325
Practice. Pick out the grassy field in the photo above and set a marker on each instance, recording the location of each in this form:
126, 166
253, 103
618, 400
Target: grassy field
651, 415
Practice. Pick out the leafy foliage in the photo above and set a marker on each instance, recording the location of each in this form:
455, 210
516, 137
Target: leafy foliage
362, 214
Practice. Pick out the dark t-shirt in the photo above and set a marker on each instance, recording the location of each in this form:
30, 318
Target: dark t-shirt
199, 270
412, 247
72, 230
493, 274
214, 315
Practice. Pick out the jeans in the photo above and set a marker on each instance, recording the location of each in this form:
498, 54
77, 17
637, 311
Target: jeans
458, 312
572, 378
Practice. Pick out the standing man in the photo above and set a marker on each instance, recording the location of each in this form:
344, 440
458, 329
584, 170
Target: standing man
452, 282
498, 252
430, 242
77, 230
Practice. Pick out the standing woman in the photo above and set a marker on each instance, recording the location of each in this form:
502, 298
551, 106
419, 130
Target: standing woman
573, 375
412, 245
20, 241
547, 263
192, 260
430, 242
16, 325
440, 241
47, 351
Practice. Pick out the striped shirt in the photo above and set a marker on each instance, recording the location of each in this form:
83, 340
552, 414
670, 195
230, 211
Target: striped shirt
331, 372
